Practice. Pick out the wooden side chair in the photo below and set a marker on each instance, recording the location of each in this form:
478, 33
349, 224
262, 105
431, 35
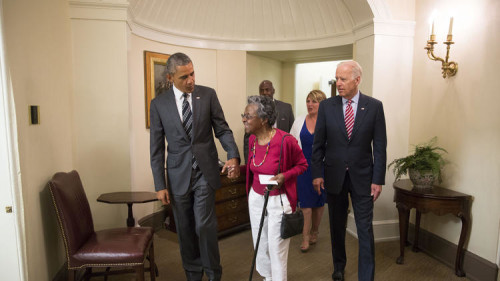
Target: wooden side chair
86, 248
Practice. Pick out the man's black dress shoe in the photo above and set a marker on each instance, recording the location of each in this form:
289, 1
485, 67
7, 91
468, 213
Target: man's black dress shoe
338, 276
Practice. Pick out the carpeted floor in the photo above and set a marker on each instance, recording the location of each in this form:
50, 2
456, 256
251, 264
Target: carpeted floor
315, 265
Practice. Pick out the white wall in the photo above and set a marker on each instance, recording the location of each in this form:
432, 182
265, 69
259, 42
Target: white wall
101, 117
38, 46
288, 83
462, 112
261, 68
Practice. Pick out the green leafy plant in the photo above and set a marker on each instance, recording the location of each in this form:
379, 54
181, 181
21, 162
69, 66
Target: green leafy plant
426, 157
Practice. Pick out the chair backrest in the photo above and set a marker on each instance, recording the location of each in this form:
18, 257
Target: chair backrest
73, 210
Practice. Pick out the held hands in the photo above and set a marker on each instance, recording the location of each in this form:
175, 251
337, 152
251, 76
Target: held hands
376, 190
163, 196
319, 184
232, 167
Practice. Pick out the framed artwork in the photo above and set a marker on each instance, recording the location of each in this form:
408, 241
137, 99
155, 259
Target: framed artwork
155, 78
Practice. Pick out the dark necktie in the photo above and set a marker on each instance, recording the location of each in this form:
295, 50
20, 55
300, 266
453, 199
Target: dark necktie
349, 119
187, 122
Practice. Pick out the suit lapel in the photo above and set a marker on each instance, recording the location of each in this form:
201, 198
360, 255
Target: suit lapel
339, 115
196, 102
174, 113
360, 113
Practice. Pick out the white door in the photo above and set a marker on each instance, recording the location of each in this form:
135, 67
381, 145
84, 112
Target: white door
9, 244
11, 257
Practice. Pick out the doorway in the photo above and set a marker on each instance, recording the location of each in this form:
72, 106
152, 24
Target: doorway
312, 76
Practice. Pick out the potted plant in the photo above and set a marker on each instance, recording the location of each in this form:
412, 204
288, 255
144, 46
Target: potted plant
423, 166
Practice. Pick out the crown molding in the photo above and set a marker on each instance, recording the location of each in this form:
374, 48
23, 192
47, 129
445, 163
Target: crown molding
98, 10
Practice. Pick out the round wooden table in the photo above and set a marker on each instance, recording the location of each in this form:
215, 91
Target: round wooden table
129, 198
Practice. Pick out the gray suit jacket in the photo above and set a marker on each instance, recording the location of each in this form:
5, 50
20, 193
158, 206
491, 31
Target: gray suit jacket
284, 122
166, 124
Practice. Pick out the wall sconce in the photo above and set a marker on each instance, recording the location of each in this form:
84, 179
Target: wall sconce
449, 68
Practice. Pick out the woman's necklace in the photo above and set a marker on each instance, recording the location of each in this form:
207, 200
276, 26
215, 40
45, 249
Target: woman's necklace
267, 150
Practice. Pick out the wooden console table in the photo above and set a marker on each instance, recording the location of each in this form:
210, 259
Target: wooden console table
438, 200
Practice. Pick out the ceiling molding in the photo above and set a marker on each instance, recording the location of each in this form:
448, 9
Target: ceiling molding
98, 10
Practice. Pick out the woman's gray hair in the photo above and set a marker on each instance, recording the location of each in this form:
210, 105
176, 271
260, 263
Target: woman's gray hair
175, 60
266, 109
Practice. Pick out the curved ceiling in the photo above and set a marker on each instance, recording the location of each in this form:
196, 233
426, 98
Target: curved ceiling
249, 24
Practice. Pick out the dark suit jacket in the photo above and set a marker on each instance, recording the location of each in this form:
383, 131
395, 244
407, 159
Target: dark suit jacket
284, 122
166, 124
334, 152
285, 118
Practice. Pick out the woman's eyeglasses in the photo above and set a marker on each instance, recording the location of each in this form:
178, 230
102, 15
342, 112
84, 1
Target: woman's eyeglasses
247, 116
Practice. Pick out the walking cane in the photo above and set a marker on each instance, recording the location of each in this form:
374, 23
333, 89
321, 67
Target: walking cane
266, 197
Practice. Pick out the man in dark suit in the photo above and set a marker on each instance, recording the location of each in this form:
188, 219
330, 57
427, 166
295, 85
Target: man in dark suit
285, 118
348, 126
185, 116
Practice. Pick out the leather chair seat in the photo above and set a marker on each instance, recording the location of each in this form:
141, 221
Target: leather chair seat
126, 246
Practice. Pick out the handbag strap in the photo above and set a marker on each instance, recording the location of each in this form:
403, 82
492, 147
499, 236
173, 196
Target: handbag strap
279, 167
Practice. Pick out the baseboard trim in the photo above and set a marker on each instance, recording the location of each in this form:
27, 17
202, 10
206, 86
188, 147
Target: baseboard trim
383, 230
476, 268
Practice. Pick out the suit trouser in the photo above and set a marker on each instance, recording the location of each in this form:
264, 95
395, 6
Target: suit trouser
272, 255
196, 225
363, 214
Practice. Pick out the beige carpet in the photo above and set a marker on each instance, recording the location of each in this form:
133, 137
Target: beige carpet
315, 265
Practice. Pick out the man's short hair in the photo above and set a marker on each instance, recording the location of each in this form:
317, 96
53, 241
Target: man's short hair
175, 60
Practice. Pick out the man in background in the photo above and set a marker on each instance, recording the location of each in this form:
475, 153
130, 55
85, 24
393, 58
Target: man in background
347, 128
188, 117
285, 118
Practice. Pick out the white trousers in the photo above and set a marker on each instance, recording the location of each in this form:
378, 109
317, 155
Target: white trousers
272, 255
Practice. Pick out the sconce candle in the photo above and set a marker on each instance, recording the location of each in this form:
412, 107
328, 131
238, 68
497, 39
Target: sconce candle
451, 26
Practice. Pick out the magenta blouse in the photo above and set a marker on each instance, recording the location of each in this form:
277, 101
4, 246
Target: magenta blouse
293, 164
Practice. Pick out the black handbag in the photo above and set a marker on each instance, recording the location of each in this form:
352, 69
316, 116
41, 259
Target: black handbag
291, 224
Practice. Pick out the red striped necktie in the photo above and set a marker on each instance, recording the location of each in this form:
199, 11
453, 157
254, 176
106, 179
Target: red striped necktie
349, 119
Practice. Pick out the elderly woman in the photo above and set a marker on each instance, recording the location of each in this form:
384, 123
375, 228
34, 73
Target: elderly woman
311, 203
263, 154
